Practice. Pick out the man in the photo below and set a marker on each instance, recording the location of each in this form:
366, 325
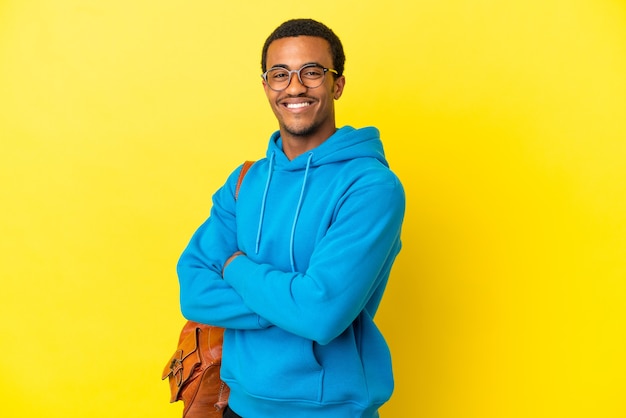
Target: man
296, 266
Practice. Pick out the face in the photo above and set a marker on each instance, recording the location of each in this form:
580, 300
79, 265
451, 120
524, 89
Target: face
304, 112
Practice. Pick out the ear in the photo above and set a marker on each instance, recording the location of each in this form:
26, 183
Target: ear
266, 88
338, 86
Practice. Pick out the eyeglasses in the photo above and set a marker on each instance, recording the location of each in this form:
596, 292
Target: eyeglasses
309, 75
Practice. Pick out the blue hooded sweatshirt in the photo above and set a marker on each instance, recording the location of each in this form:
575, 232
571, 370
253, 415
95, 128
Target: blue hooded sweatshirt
320, 234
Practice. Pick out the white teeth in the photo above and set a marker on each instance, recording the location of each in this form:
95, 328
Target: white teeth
297, 105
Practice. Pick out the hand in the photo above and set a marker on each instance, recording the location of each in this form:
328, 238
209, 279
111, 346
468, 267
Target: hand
231, 258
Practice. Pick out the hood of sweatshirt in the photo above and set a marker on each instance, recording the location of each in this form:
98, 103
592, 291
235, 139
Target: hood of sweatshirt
345, 144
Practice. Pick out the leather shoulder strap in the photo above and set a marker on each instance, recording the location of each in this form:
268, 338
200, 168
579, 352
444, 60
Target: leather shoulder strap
242, 174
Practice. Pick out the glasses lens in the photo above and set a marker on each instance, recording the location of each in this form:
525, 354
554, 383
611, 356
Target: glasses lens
278, 78
312, 76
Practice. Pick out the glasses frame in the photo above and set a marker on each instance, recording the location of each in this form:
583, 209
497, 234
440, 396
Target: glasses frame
298, 71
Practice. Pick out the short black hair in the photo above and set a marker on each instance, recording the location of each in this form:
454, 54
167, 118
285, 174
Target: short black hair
307, 27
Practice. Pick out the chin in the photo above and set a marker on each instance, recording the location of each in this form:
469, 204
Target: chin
300, 130
300, 133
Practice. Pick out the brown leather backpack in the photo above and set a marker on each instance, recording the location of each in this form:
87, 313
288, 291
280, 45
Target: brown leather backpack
194, 371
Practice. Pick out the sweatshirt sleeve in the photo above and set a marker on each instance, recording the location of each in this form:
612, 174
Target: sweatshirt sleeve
347, 271
204, 296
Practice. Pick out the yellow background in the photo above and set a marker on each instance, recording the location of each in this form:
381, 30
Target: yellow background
506, 121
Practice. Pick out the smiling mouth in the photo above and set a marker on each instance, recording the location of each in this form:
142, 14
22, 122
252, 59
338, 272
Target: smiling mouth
297, 105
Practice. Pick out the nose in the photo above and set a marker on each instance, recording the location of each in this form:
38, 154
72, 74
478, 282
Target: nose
295, 87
